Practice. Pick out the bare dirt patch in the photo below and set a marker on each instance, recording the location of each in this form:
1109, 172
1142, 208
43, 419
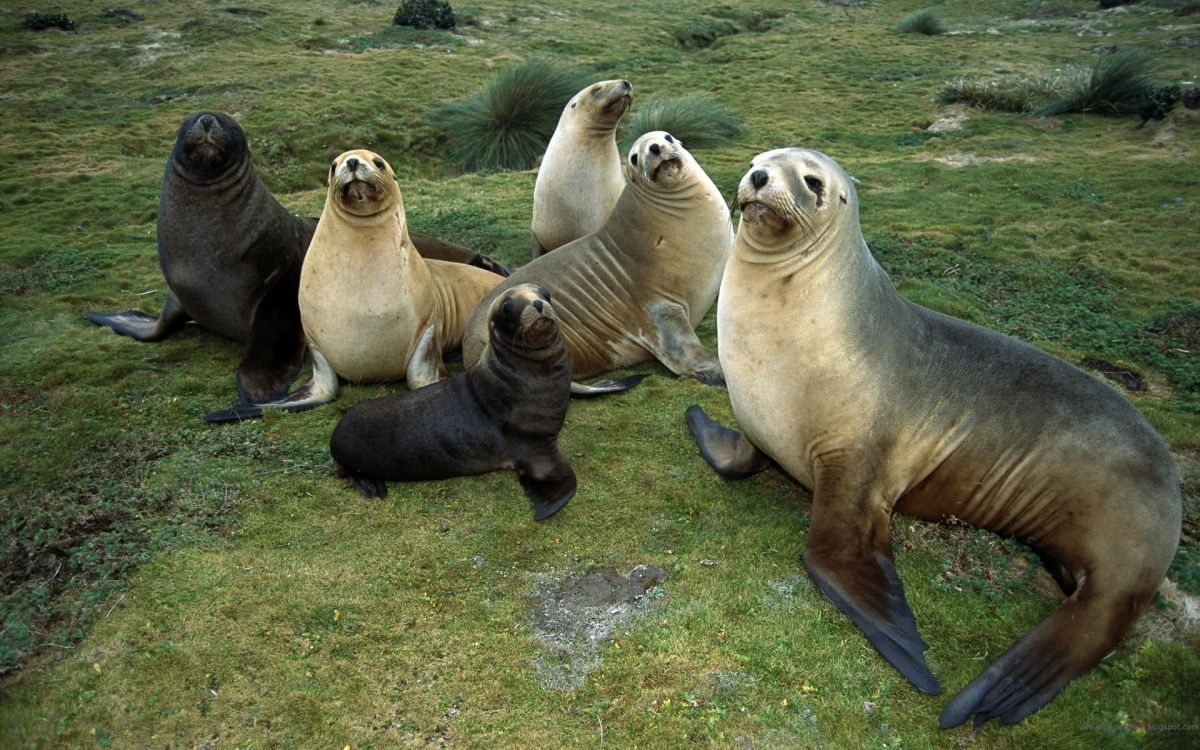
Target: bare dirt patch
579, 611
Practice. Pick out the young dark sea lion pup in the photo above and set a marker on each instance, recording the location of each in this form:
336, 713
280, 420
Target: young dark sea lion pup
879, 405
231, 255
504, 412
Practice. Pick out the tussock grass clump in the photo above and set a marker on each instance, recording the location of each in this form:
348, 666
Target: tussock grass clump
42, 21
703, 31
1017, 94
696, 119
924, 21
508, 124
425, 14
1117, 84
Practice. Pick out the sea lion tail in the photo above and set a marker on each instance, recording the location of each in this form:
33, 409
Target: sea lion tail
605, 387
1065, 645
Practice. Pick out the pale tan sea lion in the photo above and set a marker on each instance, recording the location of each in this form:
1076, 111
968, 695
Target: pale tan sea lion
635, 290
880, 405
580, 180
372, 309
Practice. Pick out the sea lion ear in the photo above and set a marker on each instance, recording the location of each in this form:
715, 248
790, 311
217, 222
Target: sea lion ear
842, 195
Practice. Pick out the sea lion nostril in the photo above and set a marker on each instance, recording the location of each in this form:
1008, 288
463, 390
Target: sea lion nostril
352, 164
207, 122
654, 149
758, 178
537, 305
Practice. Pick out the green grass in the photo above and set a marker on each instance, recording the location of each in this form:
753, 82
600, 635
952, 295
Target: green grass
1117, 84
167, 583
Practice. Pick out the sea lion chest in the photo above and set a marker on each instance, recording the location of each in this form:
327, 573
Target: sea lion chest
360, 305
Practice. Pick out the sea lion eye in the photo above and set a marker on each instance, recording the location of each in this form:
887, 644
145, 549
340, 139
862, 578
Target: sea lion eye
507, 308
332, 167
379, 163
633, 159
546, 294
670, 139
814, 184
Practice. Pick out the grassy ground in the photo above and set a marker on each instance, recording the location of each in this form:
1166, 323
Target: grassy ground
172, 584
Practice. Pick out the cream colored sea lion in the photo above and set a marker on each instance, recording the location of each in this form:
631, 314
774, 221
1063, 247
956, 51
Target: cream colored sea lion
580, 178
635, 290
880, 405
372, 309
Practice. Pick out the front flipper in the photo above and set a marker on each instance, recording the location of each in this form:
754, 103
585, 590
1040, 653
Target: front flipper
678, 347
276, 349
727, 451
320, 389
605, 387
848, 555
425, 365
366, 486
548, 480
143, 327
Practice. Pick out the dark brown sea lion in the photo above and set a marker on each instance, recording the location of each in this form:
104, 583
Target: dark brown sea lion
231, 255
880, 405
504, 412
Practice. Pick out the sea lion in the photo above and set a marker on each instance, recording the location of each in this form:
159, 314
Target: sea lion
880, 405
634, 290
372, 309
579, 180
231, 255
504, 412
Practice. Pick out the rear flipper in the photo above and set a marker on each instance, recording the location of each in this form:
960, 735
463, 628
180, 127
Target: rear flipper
366, 487
868, 591
1065, 645
729, 452
321, 389
605, 387
548, 480
435, 249
143, 327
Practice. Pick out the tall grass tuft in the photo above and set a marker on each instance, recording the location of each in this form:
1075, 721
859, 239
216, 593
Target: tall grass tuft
1021, 94
924, 21
508, 124
696, 119
1117, 84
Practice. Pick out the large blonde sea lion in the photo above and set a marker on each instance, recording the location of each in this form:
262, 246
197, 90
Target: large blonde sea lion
373, 310
231, 255
635, 290
580, 180
504, 412
880, 405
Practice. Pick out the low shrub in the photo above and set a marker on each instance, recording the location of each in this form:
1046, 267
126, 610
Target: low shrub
1117, 84
425, 14
42, 21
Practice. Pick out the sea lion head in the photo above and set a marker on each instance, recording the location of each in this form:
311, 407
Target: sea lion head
600, 105
658, 160
209, 145
522, 317
362, 184
792, 197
